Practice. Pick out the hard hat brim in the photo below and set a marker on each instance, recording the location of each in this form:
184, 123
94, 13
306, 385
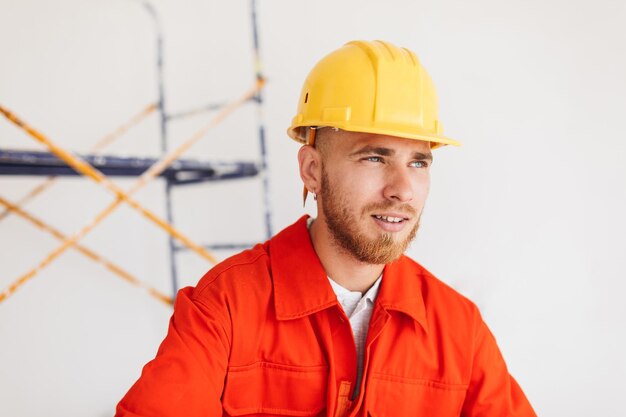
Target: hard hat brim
436, 141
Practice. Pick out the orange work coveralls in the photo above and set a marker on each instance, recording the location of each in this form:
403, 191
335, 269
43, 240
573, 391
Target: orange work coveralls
262, 334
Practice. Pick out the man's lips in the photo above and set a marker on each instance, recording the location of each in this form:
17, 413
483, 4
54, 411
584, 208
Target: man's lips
391, 222
391, 217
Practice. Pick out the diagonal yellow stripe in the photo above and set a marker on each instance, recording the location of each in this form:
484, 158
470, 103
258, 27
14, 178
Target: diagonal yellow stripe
117, 270
83, 167
102, 143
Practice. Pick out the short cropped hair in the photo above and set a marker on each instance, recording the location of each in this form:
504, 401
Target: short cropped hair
323, 136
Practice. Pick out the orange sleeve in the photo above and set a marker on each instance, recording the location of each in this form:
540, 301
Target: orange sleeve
186, 378
492, 390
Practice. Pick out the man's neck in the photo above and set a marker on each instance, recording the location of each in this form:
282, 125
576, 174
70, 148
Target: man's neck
340, 265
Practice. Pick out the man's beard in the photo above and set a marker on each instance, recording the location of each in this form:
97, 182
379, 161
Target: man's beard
343, 228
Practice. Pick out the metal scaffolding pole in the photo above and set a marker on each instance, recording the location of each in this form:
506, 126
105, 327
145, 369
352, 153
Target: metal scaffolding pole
163, 119
259, 104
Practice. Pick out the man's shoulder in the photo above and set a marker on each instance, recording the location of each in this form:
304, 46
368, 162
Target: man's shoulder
236, 272
250, 272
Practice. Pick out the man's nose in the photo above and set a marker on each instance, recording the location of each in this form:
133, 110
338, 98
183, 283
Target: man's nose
398, 184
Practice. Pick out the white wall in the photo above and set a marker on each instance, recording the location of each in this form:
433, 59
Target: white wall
526, 218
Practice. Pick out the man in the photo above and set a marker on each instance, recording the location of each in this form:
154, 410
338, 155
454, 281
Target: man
329, 318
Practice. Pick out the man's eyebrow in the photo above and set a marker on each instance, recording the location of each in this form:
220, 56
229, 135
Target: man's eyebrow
423, 156
379, 150
370, 150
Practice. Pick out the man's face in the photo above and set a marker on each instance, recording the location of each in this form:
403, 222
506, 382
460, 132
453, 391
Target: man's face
373, 190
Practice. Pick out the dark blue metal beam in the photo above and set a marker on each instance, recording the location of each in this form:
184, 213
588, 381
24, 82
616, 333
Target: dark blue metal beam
181, 172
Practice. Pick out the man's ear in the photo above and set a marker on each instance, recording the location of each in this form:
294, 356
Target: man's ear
310, 162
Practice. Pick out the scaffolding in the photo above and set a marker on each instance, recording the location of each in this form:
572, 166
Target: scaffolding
173, 170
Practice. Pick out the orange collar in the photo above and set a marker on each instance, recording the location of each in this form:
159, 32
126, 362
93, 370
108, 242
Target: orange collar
301, 286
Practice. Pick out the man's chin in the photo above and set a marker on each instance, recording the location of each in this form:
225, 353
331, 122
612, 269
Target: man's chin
380, 258
379, 251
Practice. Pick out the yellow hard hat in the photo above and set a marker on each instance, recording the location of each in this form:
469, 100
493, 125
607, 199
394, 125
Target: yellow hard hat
371, 87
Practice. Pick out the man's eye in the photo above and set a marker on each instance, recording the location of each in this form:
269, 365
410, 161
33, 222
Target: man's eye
419, 164
374, 159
